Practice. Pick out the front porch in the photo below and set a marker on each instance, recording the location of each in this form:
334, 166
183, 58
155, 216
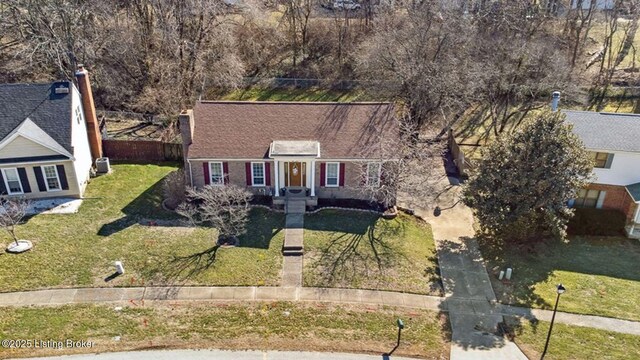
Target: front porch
295, 164
295, 193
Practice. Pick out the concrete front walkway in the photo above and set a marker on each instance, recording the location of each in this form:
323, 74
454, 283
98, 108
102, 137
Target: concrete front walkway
469, 295
293, 248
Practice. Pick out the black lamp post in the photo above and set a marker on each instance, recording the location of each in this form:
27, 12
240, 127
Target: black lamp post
400, 327
560, 290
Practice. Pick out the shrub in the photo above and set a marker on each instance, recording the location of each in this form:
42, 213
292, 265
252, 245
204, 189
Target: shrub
588, 221
173, 189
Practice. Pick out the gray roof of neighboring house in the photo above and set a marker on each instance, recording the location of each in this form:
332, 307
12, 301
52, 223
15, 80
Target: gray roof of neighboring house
606, 131
49, 111
634, 190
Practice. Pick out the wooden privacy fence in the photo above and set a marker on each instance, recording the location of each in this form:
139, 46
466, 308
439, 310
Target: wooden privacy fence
141, 150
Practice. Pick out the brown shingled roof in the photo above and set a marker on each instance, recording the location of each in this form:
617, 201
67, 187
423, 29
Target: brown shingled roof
244, 130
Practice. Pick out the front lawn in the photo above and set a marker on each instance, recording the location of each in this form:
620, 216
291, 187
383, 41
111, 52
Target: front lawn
601, 275
575, 342
361, 250
122, 219
279, 326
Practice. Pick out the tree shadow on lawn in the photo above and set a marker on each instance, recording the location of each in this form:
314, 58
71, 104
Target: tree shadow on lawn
179, 269
614, 257
147, 205
357, 248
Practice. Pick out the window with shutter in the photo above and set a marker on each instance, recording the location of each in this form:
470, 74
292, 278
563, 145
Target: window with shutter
51, 178
373, 174
12, 181
257, 174
216, 171
332, 174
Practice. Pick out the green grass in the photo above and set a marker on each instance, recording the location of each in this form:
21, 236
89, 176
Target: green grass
574, 342
122, 219
601, 275
361, 250
293, 94
278, 325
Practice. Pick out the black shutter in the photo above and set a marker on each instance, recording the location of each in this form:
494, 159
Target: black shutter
37, 170
607, 165
63, 177
24, 180
3, 189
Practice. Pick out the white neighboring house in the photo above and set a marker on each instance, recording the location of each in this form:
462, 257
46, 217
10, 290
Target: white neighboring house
614, 142
45, 147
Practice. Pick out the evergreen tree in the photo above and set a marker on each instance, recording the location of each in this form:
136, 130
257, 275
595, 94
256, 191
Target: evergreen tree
524, 181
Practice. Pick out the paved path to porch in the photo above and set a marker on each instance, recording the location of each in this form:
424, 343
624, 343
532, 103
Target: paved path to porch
293, 243
136, 296
469, 296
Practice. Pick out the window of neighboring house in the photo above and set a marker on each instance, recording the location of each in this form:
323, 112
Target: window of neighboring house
78, 114
12, 181
51, 178
602, 160
257, 173
217, 173
587, 198
373, 174
333, 173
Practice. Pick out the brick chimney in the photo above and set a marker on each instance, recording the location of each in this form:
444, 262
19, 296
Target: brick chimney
93, 128
185, 121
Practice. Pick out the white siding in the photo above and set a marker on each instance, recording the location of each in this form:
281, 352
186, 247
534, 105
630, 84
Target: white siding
600, 4
23, 147
625, 170
73, 190
80, 143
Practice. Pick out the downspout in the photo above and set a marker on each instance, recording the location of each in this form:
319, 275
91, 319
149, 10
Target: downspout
190, 173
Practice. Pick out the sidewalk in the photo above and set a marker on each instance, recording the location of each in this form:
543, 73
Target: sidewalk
456, 307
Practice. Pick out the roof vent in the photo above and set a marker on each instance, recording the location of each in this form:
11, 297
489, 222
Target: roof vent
61, 90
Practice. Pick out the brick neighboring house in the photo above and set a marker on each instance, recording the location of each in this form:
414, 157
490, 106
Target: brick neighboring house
613, 139
281, 149
48, 133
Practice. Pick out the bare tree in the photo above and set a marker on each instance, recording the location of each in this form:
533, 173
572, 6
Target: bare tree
12, 213
400, 166
224, 207
522, 59
420, 58
577, 26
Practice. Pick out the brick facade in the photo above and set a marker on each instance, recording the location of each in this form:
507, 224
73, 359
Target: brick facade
616, 198
237, 176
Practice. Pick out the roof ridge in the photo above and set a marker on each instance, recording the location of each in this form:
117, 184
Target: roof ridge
36, 83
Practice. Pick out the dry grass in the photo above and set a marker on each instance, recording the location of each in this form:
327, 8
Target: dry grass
277, 326
574, 342
361, 250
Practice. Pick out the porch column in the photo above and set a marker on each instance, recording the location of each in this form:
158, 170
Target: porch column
277, 177
313, 177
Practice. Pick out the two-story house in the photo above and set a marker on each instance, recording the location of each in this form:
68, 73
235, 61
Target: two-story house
49, 138
613, 139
